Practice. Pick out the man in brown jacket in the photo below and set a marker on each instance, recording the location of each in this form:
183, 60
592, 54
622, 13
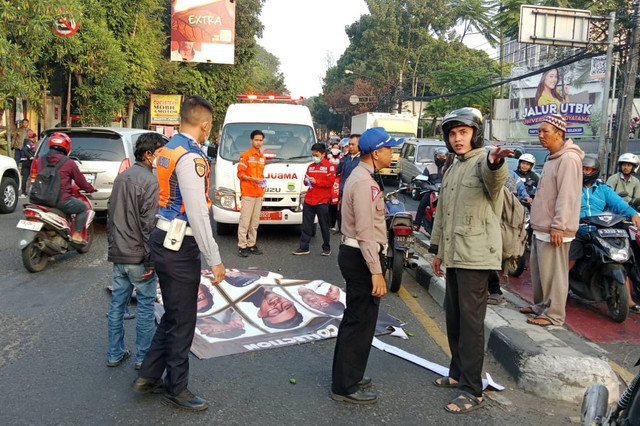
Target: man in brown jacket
555, 215
18, 136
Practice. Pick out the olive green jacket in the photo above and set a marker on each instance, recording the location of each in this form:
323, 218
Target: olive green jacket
466, 229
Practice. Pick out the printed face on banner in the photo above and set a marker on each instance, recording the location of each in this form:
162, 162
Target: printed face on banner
254, 309
203, 31
574, 91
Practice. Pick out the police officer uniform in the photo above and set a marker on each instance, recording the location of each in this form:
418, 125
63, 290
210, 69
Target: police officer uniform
361, 255
183, 176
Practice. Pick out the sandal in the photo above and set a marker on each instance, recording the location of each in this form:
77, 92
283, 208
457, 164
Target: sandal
445, 382
527, 310
540, 321
635, 309
495, 299
466, 403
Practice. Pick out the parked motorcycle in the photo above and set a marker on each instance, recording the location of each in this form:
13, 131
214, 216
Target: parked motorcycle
400, 238
600, 275
625, 412
47, 232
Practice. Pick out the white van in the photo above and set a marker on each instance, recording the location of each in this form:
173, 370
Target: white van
288, 137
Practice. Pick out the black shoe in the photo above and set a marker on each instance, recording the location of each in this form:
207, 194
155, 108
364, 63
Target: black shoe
125, 356
186, 400
129, 316
300, 252
243, 252
137, 365
359, 397
325, 253
254, 250
366, 381
147, 385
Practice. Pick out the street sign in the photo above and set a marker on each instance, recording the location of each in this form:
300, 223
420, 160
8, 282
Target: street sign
554, 26
354, 99
65, 27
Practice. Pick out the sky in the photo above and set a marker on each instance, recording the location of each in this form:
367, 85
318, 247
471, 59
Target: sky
303, 34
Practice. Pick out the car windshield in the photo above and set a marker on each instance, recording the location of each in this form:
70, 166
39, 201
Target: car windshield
89, 146
425, 153
283, 142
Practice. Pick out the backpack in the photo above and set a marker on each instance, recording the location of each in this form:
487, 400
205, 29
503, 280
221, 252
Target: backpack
46, 189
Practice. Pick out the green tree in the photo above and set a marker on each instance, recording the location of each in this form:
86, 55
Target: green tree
265, 76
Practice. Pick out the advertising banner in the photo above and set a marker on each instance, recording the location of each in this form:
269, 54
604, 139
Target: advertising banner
203, 31
575, 91
253, 310
165, 109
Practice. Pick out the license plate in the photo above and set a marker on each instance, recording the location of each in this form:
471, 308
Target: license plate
612, 232
404, 240
90, 177
31, 226
269, 215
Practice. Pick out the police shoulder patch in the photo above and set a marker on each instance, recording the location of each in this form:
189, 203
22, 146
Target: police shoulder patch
375, 191
201, 166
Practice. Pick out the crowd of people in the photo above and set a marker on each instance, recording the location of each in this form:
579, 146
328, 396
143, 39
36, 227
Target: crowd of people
159, 223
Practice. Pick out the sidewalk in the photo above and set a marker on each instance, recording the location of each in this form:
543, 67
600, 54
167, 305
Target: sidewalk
551, 362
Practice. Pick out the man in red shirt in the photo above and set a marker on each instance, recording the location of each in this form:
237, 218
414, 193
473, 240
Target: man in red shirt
252, 185
319, 178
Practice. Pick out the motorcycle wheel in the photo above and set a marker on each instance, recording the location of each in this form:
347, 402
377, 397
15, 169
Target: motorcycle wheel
396, 270
619, 302
594, 405
87, 246
33, 259
519, 268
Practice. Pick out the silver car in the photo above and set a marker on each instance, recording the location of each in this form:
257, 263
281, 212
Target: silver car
101, 153
414, 157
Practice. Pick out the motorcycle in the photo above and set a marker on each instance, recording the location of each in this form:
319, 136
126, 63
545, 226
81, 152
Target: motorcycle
634, 235
626, 411
423, 185
400, 238
47, 232
600, 275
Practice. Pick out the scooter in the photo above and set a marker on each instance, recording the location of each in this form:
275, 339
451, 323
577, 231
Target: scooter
47, 232
424, 185
634, 235
400, 238
600, 275
625, 412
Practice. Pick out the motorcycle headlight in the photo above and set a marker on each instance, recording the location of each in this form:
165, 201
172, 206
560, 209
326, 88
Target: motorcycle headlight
225, 198
615, 252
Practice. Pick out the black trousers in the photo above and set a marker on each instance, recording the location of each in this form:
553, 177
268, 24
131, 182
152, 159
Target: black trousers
358, 325
333, 215
466, 305
309, 213
179, 277
26, 171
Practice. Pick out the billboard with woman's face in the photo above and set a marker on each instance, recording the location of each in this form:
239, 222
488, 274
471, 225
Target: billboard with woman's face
574, 91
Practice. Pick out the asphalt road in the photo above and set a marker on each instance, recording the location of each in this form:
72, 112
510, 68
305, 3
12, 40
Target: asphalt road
53, 342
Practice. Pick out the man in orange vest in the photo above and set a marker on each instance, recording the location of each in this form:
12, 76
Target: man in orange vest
252, 186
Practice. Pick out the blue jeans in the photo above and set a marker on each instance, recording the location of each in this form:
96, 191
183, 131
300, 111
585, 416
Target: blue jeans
74, 206
125, 278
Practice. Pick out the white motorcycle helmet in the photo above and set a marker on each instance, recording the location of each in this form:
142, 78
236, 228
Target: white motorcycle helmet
529, 158
629, 158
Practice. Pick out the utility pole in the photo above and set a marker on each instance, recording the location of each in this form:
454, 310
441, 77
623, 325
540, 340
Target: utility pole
607, 82
630, 82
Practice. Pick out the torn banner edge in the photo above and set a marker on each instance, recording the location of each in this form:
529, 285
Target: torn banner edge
431, 366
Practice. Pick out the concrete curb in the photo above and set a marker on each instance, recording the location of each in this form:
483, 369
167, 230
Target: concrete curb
550, 362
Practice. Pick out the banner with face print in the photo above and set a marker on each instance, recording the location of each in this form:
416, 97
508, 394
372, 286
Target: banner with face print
575, 91
203, 31
253, 310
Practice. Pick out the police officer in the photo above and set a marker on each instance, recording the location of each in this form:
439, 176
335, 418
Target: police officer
361, 261
183, 177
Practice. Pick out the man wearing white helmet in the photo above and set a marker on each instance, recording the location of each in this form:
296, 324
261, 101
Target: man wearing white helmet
527, 175
624, 181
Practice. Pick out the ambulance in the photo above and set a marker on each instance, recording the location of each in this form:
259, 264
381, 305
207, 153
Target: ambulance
288, 137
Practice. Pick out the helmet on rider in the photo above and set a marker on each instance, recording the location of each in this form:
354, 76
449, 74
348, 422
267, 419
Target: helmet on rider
61, 142
529, 158
629, 158
591, 161
440, 156
471, 117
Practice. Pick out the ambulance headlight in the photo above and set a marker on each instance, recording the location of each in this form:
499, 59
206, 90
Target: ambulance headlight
225, 198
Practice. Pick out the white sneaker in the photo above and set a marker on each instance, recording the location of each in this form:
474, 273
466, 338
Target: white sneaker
23, 196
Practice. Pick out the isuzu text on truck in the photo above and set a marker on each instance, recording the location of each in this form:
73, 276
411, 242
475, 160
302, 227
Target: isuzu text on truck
402, 126
288, 137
